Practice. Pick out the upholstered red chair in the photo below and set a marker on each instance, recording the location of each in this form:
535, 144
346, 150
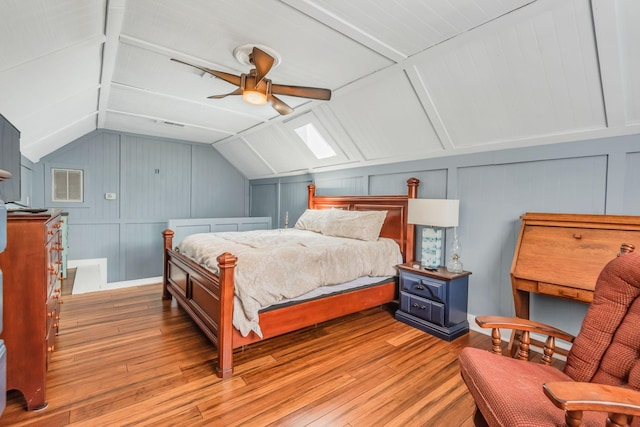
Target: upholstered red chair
600, 382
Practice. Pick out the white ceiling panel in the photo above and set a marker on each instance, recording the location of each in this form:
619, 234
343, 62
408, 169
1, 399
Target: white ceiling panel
70, 132
410, 78
385, 119
49, 80
281, 152
210, 30
628, 15
45, 26
152, 104
243, 157
423, 23
154, 127
534, 74
48, 120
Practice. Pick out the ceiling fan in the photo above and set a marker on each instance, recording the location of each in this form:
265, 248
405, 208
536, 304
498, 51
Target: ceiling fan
255, 88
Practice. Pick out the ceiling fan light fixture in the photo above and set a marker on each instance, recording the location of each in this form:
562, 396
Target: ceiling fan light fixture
254, 97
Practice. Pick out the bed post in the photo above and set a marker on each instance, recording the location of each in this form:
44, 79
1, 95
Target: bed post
226, 265
412, 188
311, 188
168, 243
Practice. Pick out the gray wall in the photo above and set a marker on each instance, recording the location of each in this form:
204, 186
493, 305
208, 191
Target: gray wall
154, 180
495, 188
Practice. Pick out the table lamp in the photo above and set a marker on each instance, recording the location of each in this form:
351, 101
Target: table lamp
434, 215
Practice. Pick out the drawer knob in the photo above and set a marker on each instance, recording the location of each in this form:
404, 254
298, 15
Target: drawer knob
50, 314
420, 288
51, 232
50, 349
577, 236
416, 305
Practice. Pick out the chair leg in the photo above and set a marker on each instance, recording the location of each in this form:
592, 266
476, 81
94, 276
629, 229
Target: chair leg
478, 419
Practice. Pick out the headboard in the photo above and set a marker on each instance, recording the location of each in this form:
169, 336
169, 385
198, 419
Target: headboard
395, 225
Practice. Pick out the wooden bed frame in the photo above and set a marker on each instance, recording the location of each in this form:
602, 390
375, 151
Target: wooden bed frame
208, 298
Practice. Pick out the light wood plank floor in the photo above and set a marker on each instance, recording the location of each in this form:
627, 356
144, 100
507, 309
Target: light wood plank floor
125, 357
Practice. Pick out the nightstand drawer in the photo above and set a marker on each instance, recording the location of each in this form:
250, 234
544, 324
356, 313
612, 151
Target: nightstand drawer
424, 286
423, 308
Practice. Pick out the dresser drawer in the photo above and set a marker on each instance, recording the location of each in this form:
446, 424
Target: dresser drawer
426, 287
423, 308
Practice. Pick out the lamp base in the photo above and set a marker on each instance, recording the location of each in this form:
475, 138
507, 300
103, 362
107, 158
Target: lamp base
431, 248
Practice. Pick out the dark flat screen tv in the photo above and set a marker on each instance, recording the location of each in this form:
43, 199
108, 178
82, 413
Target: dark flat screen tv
10, 160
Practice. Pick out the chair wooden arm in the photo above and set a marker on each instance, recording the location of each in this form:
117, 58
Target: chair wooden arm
526, 326
575, 397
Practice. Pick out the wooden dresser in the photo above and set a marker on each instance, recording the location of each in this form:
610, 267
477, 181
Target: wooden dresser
562, 254
31, 272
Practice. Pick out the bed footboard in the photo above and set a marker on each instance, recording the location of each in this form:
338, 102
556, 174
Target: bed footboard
206, 297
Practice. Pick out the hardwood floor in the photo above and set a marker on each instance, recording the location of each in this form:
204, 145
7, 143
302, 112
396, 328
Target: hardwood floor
125, 357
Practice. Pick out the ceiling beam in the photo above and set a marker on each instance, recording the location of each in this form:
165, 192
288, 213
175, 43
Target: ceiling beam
333, 21
114, 16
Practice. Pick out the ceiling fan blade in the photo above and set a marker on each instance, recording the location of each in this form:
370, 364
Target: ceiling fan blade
263, 62
302, 91
279, 105
229, 78
235, 92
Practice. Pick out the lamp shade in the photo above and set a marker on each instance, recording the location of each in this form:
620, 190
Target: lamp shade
434, 212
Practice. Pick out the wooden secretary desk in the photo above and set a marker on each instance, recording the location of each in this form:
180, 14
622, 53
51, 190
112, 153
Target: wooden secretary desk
562, 254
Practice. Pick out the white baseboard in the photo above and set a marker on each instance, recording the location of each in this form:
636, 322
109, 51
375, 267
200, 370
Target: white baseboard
130, 283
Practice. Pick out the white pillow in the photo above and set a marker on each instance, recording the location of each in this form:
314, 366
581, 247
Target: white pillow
361, 225
312, 220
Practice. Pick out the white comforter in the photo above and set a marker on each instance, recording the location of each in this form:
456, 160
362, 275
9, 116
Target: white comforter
274, 265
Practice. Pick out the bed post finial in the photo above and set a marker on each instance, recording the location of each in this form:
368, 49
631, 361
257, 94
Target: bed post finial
311, 188
412, 184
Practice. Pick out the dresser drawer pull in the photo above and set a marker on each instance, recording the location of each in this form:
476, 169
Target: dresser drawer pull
577, 236
420, 288
50, 349
50, 314
422, 307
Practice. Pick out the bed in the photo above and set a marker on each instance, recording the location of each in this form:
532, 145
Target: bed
208, 296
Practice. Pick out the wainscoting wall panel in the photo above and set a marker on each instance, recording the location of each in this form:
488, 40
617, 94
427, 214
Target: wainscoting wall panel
153, 180
593, 176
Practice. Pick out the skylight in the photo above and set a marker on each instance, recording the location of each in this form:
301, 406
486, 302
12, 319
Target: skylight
314, 141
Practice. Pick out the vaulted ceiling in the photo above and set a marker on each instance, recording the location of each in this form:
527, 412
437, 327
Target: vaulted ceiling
411, 79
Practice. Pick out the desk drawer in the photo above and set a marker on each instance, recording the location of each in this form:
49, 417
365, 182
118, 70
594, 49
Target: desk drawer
426, 309
568, 256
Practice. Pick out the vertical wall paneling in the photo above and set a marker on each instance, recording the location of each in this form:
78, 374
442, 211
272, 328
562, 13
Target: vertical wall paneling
327, 185
140, 261
631, 203
293, 200
156, 177
264, 201
495, 188
154, 180
208, 192
96, 240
